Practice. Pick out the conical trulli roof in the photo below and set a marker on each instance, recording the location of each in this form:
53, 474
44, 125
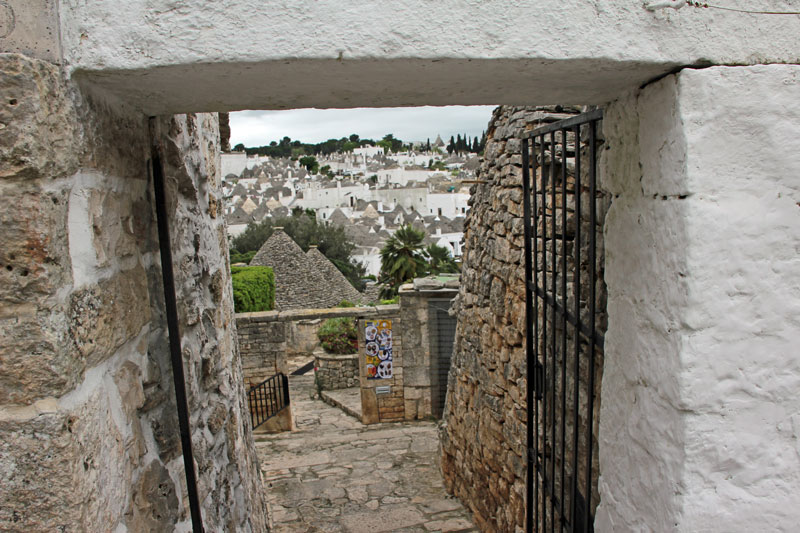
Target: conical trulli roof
370, 212
337, 284
298, 284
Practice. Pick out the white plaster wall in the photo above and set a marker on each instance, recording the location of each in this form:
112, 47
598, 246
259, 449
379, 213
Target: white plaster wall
451, 204
165, 56
700, 410
401, 176
233, 163
407, 198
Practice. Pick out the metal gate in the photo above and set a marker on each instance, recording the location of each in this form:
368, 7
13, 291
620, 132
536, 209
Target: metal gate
442, 333
563, 344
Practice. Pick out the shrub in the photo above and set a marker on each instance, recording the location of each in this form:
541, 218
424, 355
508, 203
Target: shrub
345, 303
338, 335
236, 257
253, 289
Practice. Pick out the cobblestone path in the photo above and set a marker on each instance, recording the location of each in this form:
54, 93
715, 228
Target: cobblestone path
334, 474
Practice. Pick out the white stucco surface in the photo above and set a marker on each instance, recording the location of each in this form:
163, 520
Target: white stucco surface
699, 420
167, 56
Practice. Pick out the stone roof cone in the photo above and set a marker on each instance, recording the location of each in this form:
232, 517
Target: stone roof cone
298, 284
370, 212
338, 284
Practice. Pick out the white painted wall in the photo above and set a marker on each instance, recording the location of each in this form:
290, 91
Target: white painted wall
370, 258
236, 162
452, 204
319, 198
367, 151
401, 176
164, 60
391, 198
700, 416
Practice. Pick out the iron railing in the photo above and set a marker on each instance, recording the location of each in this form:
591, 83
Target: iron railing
268, 398
557, 161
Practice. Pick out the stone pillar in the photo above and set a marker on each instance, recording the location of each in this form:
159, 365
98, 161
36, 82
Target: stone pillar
382, 399
700, 416
420, 357
87, 410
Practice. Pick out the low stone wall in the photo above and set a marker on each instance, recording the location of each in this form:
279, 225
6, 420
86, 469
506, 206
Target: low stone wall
334, 371
262, 344
268, 337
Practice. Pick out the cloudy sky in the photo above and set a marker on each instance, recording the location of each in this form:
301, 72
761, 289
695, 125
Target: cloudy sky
258, 128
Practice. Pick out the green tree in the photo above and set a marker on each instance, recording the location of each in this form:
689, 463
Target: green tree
238, 148
439, 260
402, 259
310, 162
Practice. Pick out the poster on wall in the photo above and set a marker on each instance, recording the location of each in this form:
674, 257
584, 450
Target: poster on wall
378, 336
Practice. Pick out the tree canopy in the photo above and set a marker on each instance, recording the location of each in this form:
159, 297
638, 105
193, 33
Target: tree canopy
289, 148
402, 259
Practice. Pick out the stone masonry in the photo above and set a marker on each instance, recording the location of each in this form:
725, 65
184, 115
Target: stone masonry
484, 435
87, 410
419, 361
334, 372
302, 280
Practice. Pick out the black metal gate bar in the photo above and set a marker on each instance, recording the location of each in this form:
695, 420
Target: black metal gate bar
529, 329
548, 475
577, 289
563, 316
173, 329
268, 398
592, 302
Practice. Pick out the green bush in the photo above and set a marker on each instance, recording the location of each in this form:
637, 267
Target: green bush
253, 289
236, 257
345, 303
390, 301
338, 335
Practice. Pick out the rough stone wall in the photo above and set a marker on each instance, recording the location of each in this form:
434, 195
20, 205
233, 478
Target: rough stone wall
334, 372
87, 410
484, 435
262, 345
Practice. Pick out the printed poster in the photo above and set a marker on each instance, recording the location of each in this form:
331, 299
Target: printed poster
378, 336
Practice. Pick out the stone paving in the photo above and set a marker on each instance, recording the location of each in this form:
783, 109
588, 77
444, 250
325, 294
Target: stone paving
334, 474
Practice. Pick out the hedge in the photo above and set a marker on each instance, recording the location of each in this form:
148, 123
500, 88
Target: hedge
253, 289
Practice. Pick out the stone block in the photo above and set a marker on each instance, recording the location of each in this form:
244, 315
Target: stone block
155, 500
30, 27
66, 469
39, 133
106, 315
37, 361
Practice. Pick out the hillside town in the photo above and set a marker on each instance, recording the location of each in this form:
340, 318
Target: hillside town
369, 191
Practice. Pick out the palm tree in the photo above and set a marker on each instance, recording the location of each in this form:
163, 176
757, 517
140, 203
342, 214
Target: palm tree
402, 259
439, 260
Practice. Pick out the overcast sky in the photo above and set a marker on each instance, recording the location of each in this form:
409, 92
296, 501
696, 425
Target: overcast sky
258, 128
